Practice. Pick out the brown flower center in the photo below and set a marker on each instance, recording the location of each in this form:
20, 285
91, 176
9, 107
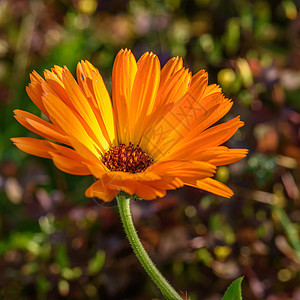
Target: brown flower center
127, 159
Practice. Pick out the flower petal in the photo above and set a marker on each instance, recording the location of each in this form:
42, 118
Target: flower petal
174, 89
146, 190
184, 116
229, 157
170, 68
68, 165
35, 91
211, 137
123, 75
104, 107
54, 85
215, 187
40, 126
64, 158
83, 107
33, 146
100, 190
143, 96
72, 124
84, 73
183, 169
94, 89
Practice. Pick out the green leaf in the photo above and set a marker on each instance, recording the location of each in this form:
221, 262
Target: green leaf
62, 256
96, 263
234, 291
289, 228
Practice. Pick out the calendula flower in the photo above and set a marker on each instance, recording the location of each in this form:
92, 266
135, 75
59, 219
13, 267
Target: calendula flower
154, 135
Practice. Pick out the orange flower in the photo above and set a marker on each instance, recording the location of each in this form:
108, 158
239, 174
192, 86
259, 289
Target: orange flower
153, 136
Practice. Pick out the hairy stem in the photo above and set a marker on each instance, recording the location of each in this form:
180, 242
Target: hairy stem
125, 213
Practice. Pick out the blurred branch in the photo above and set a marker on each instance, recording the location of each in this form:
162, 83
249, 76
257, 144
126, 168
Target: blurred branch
288, 227
21, 58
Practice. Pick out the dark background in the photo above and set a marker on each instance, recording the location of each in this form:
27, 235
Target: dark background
56, 244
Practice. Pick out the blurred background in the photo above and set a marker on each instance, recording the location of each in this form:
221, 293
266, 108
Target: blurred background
56, 244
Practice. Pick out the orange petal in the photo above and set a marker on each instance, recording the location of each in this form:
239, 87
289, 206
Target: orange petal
33, 146
171, 67
90, 81
72, 154
221, 133
71, 124
35, 91
98, 170
216, 109
104, 107
215, 106
184, 169
146, 190
40, 126
141, 184
229, 157
174, 89
184, 116
84, 72
64, 158
100, 190
68, 165
212, 89
83, 107
57, 70
143, 96
215, 187
54, 85
123, 75
211, 137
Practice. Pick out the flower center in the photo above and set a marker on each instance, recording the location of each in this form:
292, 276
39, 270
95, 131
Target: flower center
127, 159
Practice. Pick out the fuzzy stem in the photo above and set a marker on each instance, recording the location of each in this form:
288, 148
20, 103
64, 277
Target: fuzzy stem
164, 286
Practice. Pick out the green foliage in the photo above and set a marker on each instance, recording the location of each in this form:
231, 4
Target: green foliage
62, 256
289, 228
234, 291
96, 263
263, 167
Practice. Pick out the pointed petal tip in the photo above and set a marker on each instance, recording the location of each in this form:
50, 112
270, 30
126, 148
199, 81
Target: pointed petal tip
65, 69
14, 140
16, 111
241, 123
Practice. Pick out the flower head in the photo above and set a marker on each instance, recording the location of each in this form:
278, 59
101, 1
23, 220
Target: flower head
156, 134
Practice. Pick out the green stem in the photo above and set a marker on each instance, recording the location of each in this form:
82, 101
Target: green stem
164, 286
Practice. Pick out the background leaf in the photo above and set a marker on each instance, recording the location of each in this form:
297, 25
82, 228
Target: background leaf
234, 291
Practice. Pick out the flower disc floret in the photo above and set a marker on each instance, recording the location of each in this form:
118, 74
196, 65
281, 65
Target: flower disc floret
124, 158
